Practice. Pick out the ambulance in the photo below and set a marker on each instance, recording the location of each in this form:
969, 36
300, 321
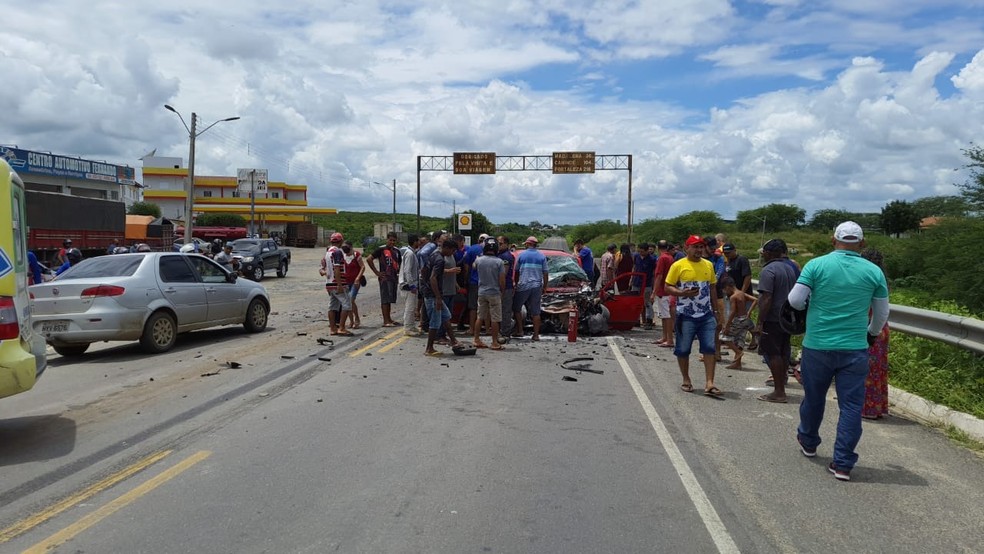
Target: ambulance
22, 351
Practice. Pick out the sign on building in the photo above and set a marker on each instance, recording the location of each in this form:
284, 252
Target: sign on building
251, 180
464, 222
44, 163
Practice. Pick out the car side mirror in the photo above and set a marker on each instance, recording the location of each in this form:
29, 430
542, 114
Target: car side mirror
231, 277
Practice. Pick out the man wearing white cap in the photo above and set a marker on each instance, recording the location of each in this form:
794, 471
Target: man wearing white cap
531, 282
838, 290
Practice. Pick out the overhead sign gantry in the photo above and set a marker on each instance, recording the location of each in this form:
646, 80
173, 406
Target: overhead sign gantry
489, 163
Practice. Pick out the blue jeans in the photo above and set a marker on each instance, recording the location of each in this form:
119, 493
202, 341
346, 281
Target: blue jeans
705, 329
438, 316
848, 369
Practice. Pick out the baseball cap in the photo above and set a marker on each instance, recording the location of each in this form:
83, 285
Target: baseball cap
483, 236
337, 237
849, 231
728, 247
711, 242
694, 239
774, 245
663, 244
532, 240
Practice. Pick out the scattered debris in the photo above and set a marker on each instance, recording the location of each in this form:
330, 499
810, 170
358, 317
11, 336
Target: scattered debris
234, 365
209, 374
567, 378
323, 359
264, 394
198, 356
321, 400
151, 378
581, 367
286, 357
323, 341
301, 334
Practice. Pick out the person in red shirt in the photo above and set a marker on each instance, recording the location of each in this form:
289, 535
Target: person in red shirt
661, 300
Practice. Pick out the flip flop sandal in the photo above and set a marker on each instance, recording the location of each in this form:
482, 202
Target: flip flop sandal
713, 392
767, 398
345, 334
687, 387
434, 354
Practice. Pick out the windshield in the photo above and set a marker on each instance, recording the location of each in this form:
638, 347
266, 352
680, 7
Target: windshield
245, 244
564, 271
103, 266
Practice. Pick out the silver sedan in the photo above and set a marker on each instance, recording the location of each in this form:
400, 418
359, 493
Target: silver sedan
149, 297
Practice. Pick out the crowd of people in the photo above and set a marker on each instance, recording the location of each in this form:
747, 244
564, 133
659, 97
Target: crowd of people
700, 291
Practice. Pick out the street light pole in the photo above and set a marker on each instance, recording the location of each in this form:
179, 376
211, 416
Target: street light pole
394, 199
763, 232
252, 203
190, 185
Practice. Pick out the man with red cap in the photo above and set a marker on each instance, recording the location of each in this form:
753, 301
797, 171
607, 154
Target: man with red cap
339, 303
531, 279
692, 280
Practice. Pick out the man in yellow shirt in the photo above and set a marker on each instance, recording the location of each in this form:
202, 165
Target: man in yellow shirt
692, 281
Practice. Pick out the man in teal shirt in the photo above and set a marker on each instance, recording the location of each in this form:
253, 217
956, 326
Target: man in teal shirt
839, 290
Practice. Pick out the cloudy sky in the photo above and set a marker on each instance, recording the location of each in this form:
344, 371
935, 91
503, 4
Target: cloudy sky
724, 105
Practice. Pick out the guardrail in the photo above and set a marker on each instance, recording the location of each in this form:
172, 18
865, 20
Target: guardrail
956, 330
962, 331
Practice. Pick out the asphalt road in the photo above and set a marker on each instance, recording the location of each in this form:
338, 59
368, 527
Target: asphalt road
365, 445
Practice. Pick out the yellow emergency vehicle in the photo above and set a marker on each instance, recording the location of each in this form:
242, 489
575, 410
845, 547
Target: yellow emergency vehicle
22, 351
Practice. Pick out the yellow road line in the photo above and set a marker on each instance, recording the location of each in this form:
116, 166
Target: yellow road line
393, 344
79, 497
102, 513
374, 344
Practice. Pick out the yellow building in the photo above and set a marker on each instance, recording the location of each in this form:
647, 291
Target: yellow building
164, 184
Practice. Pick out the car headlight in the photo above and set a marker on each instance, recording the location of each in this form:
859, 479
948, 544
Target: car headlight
248, 259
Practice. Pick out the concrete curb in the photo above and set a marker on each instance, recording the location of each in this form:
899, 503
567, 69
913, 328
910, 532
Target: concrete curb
923, 410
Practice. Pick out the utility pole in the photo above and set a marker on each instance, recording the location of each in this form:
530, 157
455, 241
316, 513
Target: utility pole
191, 178
394, 205
252, 202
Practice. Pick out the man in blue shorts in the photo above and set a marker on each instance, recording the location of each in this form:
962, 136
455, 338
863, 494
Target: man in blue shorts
431, 275
692, 280
531, 282
840, 288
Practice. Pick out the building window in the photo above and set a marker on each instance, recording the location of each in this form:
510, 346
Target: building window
114, 195
206, 193
236, 194
274, 195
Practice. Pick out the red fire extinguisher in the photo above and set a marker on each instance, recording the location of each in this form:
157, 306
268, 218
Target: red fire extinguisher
572, 325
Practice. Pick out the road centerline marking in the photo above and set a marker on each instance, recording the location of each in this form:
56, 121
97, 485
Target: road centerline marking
117, 504
374, 344
712, 521
393, 344
32, 521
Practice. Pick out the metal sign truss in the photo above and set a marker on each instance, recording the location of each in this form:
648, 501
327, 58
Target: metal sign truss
603, 162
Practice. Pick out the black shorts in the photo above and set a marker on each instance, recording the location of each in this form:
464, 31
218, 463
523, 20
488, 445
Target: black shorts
774, 341
387, 291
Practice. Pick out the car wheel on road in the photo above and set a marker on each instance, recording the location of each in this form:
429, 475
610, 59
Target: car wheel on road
258, 273
282, 269
256, 316
160, 333
71, 349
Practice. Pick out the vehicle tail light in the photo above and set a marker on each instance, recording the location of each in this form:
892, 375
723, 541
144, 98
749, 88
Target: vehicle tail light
102, 290
8, 319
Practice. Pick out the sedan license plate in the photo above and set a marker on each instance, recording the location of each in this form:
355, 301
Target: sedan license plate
54, 326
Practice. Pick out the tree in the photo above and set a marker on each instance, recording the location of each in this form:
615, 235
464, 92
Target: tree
941, 206
774, 218
899, 216
826, 220
972, 190
144, 208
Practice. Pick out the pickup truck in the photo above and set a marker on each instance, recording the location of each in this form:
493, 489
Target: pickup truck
256, 256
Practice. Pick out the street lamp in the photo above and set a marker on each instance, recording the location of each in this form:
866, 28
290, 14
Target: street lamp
763, 232
394, 199
190, 187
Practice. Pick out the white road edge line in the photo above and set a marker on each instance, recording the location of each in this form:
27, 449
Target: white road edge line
719, 533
